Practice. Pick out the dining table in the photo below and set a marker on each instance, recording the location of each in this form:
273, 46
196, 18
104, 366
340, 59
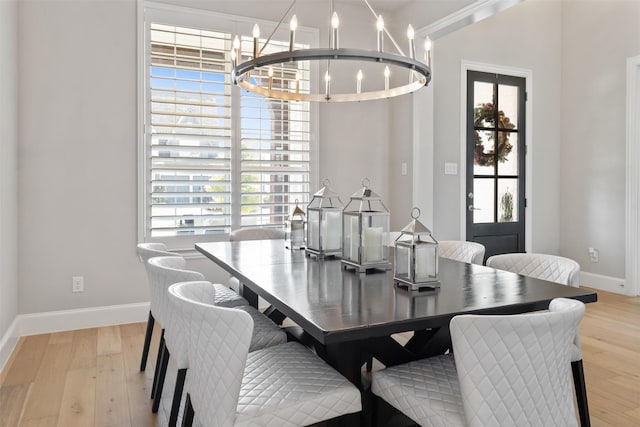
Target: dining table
349, 317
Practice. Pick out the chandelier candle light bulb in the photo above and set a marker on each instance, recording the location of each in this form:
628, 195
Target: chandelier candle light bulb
380, 26
412, 45
387, 73
359, 82
256, 36
335, 22
235, 50
327, 84
234, 61
270, 73
428, 44
297, 82
293, 25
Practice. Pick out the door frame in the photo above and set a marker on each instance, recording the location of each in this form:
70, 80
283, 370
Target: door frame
632, 244
517, 72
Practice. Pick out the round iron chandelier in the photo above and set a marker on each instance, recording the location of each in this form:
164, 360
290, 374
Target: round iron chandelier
419, 72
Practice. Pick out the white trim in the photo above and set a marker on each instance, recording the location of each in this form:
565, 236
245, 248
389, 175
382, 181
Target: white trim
509, 71
67, 320
468, 15
603, 283
632, 249
8, 342
82, 318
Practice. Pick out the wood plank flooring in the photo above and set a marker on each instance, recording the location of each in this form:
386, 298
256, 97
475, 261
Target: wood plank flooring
91, 376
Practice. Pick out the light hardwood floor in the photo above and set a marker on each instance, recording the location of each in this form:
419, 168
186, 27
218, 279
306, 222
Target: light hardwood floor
91, 376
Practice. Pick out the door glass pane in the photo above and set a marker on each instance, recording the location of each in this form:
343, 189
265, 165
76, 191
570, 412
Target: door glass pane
507, 200
483, 104
508, 153
483, 200
508, 106
483, 155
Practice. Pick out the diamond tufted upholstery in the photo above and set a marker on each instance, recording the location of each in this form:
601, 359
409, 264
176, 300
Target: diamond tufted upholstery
166, 271
280, 386
427, 391
146, 251
510, 371
462, 251
252, 233
541, 266
554, 269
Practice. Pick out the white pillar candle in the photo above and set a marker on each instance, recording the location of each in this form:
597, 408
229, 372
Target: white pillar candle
332, 230
372, 242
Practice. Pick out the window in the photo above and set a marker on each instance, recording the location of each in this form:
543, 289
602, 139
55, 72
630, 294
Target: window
215, 157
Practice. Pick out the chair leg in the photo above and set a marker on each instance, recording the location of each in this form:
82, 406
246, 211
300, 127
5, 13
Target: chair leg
369, 363
581, 393
162, 373
177, 397
158, 362
187, 417
147, 342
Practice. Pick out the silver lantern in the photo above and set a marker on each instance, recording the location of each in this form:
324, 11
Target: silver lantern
324, 223
416, 256
294, 232
365, 231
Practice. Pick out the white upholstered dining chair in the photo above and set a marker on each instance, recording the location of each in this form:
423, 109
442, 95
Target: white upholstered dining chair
146, 251
165, 271
462, 251
505, 371
284, 385
554, 269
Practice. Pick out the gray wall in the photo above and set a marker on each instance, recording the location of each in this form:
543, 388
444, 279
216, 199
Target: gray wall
8, 164
597, 39
77, 132
77, 127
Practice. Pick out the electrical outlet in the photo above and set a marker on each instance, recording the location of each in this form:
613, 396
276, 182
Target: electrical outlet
77, 284
594, 254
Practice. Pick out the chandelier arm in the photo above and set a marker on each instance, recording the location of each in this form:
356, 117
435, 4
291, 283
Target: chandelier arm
266, 43
375, 15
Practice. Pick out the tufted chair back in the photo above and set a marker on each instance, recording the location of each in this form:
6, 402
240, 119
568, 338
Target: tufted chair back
515, 370
218, 343
541, 266
256, 233
462, 251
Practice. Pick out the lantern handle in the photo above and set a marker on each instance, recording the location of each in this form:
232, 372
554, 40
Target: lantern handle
326, 182
366, 183
415, 213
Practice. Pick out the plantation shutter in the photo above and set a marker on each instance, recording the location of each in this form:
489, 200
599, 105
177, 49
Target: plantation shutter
190, 117
275, 146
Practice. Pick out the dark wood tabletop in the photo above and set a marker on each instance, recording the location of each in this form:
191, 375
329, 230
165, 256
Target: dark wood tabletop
335, 305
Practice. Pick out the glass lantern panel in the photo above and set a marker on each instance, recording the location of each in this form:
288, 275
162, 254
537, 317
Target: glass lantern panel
331, 229
351, 238
426, 257
402, 264
313, 229
295, 233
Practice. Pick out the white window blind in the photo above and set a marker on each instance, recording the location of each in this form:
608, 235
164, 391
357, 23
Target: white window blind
217, 157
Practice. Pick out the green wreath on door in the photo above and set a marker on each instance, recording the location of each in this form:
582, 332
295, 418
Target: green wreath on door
483, 114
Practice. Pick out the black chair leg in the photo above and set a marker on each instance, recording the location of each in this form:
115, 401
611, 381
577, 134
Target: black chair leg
162, 373
158, 361
177, 397
581, 393
187, 417
147, 341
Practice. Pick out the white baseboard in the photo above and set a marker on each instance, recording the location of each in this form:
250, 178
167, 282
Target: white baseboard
8, 343
66, 320
604, 283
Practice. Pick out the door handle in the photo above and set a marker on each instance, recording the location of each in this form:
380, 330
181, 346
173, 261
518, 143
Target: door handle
471, 208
